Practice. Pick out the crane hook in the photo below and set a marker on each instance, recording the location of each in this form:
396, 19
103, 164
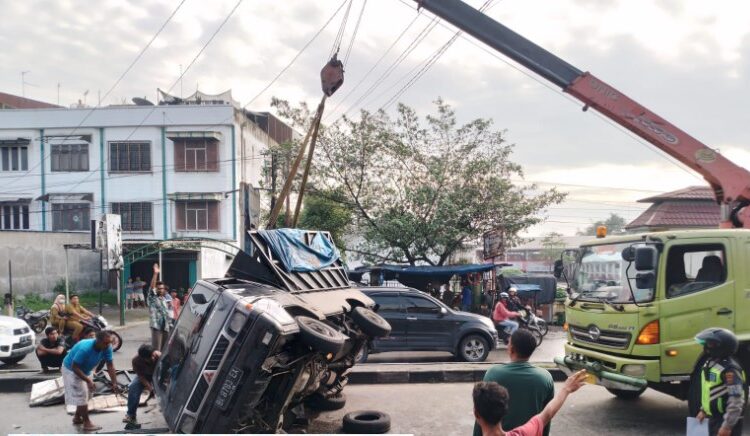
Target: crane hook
332, 76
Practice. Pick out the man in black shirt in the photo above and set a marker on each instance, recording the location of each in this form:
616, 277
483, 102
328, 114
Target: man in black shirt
51, 349
144, 364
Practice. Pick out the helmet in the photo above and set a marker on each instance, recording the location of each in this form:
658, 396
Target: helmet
718, 342
512, 290
504, 295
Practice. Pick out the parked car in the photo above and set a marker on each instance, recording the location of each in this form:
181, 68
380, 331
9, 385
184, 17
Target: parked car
256, 351
16, 340
420, 322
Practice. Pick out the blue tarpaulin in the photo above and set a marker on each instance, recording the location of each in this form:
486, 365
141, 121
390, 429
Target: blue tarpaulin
419, 276
290, 247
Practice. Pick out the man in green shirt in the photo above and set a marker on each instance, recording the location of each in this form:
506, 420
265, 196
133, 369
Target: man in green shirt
529, 388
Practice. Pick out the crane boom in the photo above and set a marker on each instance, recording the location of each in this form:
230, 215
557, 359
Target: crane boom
729, 181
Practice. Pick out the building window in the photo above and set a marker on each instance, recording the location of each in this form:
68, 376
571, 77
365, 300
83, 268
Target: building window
129, 156
196, 155
135, 217
14, 217
70, 157
197, 215
70, 216
14, 158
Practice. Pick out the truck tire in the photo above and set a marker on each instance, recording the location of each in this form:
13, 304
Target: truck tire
626, 395
361, 357
320, 336
323, 404
473, 348
367, 422
371, 323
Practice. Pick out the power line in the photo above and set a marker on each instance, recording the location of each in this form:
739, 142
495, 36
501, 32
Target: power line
117, 82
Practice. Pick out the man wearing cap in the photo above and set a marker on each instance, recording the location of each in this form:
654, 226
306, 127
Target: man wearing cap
723, 383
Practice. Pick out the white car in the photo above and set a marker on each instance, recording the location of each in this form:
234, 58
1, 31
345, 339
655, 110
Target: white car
16, 340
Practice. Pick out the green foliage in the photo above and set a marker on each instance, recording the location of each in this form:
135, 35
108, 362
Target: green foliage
512, 271
420, 189
60, 287
33, 302
560, 294
615, 224
326, 210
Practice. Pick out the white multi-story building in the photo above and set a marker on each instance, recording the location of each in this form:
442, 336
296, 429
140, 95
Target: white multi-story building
173, 172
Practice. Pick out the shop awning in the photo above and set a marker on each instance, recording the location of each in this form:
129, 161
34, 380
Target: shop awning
210, 196
66, 197
194, 134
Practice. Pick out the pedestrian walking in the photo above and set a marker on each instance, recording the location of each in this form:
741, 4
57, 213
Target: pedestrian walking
158, 311
76, 371
129, 294
531, 388
492, 402
723, 383
144, 365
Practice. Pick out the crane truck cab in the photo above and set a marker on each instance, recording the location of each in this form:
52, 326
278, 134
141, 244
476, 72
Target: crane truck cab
636, 303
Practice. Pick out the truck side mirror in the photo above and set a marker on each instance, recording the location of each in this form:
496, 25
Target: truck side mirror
645, 280
558, 268
645, 258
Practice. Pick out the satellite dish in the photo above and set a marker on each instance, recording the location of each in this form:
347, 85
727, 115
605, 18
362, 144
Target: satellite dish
141, 102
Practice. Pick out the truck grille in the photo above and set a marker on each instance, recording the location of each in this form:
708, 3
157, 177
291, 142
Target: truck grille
200, 392
218, 353
21, 331
608, 338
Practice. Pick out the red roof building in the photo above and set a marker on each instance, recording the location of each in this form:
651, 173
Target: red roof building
10, 101
689, 208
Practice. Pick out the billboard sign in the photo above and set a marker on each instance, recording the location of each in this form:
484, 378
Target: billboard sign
494, 243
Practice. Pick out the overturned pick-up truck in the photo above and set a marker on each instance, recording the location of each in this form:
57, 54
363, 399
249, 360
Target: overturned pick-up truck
260, 349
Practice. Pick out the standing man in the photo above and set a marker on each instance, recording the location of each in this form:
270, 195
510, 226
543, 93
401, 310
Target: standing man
467, 297
76, 371
158, 311
530, 388
723, 383
129, 294
140, 291
144, 365
51, 350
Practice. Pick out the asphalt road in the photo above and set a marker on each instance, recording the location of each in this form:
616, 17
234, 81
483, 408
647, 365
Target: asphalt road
420, 409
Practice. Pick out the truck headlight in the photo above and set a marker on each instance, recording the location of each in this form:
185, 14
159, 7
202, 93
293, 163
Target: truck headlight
636, 370
274, 310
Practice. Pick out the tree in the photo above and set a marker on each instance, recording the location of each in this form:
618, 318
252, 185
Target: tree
615, 224
326, 211
553, 245
420, 189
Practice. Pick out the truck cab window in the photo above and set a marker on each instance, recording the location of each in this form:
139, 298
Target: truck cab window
694, 268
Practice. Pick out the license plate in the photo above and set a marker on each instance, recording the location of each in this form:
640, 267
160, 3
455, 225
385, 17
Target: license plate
228, 388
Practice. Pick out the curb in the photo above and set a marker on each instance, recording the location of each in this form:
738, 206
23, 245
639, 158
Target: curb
465, 374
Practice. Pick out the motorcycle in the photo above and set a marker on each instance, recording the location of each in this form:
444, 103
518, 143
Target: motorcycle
539, 322
524, 322
96, 324
36, 320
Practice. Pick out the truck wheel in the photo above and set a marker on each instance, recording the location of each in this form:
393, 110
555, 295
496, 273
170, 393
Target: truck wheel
626, 395
473, 348
371, 323
319, 335
367, 422
323, 404
361, 357
12, 360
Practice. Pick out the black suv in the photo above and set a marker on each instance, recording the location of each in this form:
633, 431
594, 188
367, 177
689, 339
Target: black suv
264, 347
420, 322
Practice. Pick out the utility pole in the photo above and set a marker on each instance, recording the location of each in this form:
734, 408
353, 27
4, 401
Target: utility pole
58, 93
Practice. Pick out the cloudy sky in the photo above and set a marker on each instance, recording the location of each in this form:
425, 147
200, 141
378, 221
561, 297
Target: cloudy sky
687, 60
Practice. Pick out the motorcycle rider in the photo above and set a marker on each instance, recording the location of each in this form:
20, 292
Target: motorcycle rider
502, 316
723, 383
77, 314
514, 302
60, 317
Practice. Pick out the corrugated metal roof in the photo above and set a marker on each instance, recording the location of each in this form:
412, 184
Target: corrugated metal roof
689, 193
17, 102
679, 213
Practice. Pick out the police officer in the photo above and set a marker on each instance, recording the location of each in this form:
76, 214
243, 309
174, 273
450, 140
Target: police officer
723, 386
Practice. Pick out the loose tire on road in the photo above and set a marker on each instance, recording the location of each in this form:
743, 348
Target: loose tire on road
626, 395
367, 422
371, 323
319, 335
323, 404
12, 360
474, 348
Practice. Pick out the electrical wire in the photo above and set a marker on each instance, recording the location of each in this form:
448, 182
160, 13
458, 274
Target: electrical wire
354, 33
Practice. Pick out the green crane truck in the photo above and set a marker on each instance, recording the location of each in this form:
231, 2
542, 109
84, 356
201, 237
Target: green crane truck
637, 301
